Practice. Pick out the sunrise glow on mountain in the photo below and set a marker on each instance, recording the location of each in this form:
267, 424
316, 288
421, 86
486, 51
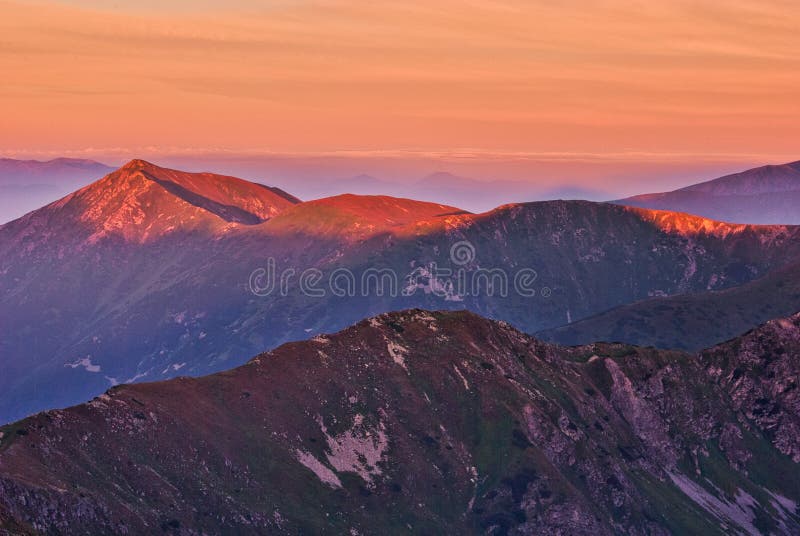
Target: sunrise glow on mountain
330, 267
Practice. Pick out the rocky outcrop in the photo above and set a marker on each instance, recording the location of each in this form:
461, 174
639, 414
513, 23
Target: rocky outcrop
760, 371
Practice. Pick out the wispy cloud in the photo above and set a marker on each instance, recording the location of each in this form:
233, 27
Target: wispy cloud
444, 155
598, 77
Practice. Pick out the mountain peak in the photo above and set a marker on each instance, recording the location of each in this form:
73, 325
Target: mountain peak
142, 201
137, 164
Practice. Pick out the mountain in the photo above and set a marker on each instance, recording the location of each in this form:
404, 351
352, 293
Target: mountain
689, 321
151, 273
763, 195
141, 202
350, 217
759, 371
28, 184
428, 423
439, 187
14, 171
761, 180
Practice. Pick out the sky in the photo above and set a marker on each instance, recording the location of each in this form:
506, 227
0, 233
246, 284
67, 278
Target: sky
697, 86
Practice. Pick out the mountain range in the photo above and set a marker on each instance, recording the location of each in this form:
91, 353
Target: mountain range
26, 185
437, 187
148, 273
428, 420
428, 423
764, 195
70, 170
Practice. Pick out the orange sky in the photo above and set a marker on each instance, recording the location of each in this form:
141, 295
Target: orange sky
607, 77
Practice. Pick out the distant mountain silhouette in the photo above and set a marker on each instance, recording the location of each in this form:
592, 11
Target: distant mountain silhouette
28, 184
441, 187
763, 195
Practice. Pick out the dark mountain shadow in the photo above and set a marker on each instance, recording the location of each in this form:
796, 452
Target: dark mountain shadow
229, 213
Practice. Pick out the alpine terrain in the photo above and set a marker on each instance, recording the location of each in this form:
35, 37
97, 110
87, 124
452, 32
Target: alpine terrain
150, 273
428, 423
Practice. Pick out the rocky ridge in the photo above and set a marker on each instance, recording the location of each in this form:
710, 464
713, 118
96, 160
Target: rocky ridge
429, 422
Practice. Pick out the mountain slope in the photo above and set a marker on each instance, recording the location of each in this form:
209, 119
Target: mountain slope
429, 423
764, 195
142, 202
760, 371
351, 216
116, 285
689, 321
761, 180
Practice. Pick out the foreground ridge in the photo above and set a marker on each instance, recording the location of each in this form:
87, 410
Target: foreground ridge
431, 422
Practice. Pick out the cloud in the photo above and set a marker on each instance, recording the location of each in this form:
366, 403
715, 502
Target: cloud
599, 76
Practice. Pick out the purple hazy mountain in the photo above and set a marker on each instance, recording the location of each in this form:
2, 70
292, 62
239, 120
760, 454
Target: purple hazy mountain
763, 195
439, 187
14, 171
28, 184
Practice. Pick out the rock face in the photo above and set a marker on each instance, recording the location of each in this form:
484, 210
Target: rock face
147, 274
429, 423
763, 195
761, 373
